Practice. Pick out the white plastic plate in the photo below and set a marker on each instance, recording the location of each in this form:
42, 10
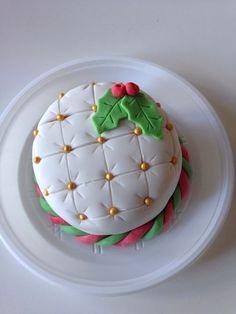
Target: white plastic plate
26, 230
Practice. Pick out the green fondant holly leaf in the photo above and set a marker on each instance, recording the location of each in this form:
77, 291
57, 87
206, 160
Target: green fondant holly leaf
144, 114
109, 113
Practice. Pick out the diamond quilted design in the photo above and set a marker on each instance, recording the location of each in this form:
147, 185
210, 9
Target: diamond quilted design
77, 129
50, 113
78, 99
85, 162
156, 175
89, 163
150, 153
48, 178
127, 197
128, 158
93, 198
67, 199
49, 140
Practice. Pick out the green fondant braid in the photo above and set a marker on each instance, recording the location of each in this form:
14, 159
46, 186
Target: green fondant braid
72, 230
176, 198
156, 227
45, 206
187, 168
112, 239
181, 140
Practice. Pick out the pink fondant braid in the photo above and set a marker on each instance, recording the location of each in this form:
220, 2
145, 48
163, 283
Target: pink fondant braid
135, 234
38, 191
185, 153
183, 183
57, 220
90, 238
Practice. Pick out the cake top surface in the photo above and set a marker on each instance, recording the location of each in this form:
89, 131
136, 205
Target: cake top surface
104, 181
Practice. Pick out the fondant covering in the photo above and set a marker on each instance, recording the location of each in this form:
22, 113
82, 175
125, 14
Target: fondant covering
102, 183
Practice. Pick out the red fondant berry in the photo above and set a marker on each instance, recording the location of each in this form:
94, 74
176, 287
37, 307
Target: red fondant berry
132, 89
118, 90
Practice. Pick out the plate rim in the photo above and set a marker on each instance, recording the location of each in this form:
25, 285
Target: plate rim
190, 256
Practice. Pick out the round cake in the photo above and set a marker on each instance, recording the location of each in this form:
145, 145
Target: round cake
106, 158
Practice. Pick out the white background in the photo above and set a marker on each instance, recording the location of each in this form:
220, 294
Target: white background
196, 39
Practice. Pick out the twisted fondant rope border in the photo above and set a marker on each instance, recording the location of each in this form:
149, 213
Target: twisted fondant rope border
144, 232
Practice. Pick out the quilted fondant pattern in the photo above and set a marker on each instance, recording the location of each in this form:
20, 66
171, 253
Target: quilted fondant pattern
86, 204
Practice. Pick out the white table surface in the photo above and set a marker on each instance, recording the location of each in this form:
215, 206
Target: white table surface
196, 39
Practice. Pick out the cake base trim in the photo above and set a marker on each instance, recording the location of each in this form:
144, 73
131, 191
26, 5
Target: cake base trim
144, 232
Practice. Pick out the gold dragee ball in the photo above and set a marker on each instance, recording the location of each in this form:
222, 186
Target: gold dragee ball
137, 131
169, 126
101, 140
60, 117
82, 217
61, 95
174, 160
71, 186
45, 192
35, 132
93, 83
113, 211
94, 108
144, 166
109, 176
36, 160
67, 148
148, 201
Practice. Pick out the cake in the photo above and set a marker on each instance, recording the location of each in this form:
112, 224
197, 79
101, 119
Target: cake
109, 165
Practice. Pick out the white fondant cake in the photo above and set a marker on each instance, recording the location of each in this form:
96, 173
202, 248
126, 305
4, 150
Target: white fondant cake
108, 183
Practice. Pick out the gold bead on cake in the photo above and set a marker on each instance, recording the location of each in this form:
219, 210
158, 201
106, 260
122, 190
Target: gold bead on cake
113, 211
109, 176
101, 140
45, 192
174, 160
137, 131
94, 108
60, 117
71, 186
144, 166
148, 201
82, 217
36, 160
67, 148
61, 95
35, 132
169, 126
